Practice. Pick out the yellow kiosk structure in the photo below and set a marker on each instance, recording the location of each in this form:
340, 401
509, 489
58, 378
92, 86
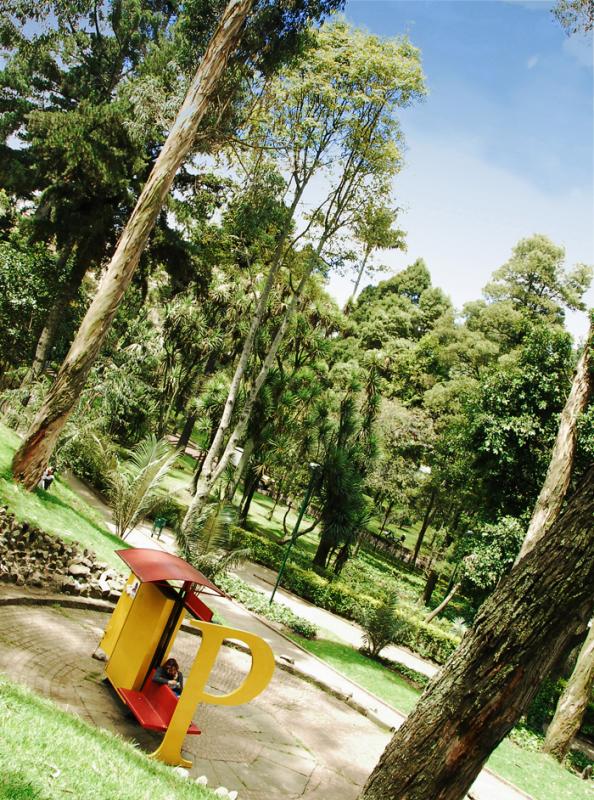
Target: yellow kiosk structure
161, 589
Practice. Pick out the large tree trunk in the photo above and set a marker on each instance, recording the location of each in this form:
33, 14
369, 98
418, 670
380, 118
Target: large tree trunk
572, 703
490, 680
212, 470
424, 526
552, 494
32, 457
184, 437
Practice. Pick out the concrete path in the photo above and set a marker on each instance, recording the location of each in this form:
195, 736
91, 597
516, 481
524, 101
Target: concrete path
273, 748
486, 787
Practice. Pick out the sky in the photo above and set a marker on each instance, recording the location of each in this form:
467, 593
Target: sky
503, 145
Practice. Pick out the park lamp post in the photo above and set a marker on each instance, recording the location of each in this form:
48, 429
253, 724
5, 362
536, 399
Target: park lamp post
314, 468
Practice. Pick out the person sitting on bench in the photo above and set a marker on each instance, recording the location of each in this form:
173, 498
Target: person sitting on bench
169, 674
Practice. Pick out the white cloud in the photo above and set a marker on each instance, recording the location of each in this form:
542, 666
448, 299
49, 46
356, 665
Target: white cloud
465, 215
532, 62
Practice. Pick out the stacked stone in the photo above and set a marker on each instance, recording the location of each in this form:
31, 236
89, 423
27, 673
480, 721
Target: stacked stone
31, 557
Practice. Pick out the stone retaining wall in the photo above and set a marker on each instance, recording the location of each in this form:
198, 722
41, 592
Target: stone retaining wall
32, 557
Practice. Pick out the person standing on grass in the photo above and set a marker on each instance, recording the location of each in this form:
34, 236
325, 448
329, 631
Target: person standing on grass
47, 479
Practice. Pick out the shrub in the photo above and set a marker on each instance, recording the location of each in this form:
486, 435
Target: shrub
258, 602
427, 640
381, 626
89, 453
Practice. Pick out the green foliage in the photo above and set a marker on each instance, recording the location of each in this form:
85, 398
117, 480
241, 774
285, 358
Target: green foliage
212, 544
491, 551
28, 277
381, 626
429, 641
535, 282
258, 602
135, 481
88, 452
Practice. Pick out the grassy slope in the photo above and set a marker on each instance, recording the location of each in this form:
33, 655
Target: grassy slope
535, 773
47, 754
59, 511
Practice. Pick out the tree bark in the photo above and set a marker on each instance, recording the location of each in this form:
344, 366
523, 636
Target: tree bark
424, 526
248, 449
250, 491
351, 300
320, 559
212, 471
32, 457
386, 515
572, 703
552, 494
184, 437
490, 680
430, 587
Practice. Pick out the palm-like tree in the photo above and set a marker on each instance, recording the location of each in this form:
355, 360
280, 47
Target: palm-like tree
134, 483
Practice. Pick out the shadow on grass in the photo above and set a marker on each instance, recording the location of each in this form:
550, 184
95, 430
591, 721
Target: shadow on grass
52, 499
14, 786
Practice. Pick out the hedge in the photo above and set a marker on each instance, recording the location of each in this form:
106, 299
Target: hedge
428, 641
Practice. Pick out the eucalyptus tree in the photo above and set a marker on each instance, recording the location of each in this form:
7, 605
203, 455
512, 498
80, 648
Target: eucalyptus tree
333, 110
374, 230
489, 682
282, 21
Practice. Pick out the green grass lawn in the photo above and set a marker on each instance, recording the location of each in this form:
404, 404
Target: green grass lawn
47, 754
59, 511
387, 685
535, 773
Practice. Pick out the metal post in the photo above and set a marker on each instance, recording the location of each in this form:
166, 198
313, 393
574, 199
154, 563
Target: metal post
310, 487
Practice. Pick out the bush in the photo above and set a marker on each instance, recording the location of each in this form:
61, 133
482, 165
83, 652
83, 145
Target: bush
428, 641
90, 454
381, 626
258, 602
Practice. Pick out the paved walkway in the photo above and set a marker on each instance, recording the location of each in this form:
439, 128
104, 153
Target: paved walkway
486, 787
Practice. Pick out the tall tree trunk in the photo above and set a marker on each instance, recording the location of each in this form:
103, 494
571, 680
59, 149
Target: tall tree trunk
322, 554
210, 471
248, 449
490, 680
573, 702
386, 515
446, 601
57, 312
250, 491
430, 585
186, 433
424, 526
360, 274
552, 494
32, 457
277, 497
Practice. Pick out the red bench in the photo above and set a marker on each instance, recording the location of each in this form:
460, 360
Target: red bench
153, 707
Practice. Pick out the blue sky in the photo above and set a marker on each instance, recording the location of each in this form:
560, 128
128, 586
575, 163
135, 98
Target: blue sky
503, 145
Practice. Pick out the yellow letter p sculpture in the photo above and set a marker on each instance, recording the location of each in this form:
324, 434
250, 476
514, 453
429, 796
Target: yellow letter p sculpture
194, 692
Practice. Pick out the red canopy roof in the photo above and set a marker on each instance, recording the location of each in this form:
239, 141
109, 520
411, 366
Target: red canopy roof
155, 565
